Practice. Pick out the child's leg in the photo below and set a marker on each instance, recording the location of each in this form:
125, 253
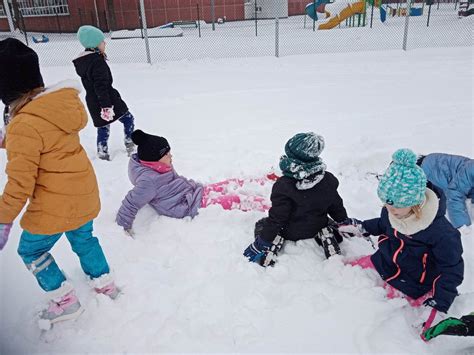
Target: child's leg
253, 203
128, 126
88, 249
392, 293
34, 250
364, 262
228, 202
235, 202
103, 134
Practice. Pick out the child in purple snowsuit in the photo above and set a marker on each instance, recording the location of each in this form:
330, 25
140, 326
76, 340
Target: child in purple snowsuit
156, 183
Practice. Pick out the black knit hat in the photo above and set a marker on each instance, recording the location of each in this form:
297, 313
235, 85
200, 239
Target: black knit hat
19, 70
150, 148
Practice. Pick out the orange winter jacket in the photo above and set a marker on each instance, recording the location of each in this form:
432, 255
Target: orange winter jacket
47, 165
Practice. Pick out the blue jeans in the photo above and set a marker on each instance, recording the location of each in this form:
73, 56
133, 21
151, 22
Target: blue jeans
34, 250
103, 133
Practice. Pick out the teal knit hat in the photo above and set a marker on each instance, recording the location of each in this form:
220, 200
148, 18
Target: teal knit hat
306, 147
90, 36
302, 161
404, 182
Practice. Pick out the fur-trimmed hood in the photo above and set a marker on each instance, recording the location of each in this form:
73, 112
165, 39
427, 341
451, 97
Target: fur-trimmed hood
411, 224
60, 105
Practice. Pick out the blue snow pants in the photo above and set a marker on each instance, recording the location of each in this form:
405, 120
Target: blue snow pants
34, 250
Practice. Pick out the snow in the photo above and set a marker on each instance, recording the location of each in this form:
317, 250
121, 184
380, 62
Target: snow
152, 32
186, 286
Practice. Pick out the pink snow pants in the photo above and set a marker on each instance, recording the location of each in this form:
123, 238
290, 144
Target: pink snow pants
366, 263
231, 194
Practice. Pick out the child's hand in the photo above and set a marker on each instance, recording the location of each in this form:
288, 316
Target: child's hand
107, 114
129, 233
352, 227
4, 233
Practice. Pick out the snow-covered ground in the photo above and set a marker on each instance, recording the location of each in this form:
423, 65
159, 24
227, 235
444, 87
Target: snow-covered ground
186, 286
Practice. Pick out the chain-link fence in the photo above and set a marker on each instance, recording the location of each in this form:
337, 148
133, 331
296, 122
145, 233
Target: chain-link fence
160, 30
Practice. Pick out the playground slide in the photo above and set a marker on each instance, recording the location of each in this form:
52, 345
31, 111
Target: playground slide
348, 11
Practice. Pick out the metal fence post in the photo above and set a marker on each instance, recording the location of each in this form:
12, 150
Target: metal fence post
199, 19
24, 27
213, 15
9, 15
145, 31
96, 14
429, 14
407, 18
256, 19
277, 37
372, 13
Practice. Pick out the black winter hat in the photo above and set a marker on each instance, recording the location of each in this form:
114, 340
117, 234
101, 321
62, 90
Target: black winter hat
150, 148
19, 70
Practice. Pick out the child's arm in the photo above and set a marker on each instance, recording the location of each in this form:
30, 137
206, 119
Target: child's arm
337, 211
100, 79
375, 226
279, 213
136, 198
23, 152
447, 252
456, 194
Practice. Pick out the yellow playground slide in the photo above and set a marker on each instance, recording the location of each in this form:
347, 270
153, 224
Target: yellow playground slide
351, 9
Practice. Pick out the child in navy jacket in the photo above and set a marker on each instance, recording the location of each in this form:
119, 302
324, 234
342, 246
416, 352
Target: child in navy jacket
420, 252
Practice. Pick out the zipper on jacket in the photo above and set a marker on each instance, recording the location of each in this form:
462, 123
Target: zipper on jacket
382, 238
423, 274
395, 256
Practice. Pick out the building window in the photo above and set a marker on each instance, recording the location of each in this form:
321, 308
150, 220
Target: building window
36, 8
2, 11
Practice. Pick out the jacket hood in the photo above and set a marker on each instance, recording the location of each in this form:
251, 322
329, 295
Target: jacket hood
60, 105
84, 61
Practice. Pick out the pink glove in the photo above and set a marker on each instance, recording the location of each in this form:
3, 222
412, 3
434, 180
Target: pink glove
4, 233
107, 114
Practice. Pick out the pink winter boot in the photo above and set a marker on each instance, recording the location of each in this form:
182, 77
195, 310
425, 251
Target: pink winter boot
64, 305
106, 285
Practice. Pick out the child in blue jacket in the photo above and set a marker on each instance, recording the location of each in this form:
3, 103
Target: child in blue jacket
419, 251
454, 174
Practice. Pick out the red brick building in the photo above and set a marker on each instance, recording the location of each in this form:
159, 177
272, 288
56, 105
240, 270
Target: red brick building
69, 15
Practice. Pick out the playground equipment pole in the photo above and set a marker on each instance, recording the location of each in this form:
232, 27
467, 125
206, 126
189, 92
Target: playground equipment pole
9, 15
213, 15
314, 17
407, 18
429, 14
277, 37
372, 13
145, 31
199, 19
